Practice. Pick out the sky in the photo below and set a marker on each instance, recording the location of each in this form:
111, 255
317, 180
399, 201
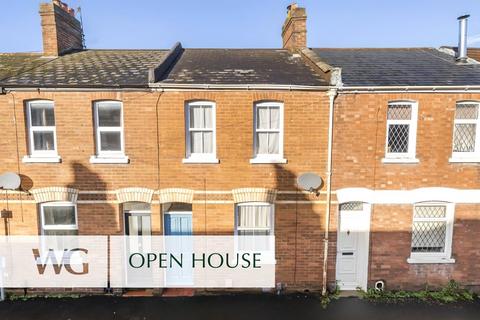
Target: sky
150, 24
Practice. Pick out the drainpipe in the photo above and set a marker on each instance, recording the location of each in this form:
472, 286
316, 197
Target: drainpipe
2, 290
332, 93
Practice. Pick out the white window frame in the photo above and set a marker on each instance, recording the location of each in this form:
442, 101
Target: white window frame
108, 156
436, 257
267, 257
60, 226
406, 157
200, 157
268, 158
467, 156
48, 156
262, 204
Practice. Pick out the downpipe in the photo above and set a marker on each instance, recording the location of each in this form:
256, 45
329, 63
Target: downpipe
332, 94
2, 289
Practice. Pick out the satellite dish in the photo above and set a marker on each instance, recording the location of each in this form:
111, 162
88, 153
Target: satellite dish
309, 181
9, 181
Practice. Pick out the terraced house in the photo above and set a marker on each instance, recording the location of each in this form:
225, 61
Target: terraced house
212, 141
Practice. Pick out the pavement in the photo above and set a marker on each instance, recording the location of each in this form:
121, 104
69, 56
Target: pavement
231, 307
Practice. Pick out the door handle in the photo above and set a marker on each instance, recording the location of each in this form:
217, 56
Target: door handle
347, 253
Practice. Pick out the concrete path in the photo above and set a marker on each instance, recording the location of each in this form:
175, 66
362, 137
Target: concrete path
251, 307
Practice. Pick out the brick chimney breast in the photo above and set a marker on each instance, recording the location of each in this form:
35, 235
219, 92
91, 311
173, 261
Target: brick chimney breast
61, 31
294, 30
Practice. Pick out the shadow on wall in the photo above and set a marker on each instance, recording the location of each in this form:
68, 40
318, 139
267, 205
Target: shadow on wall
298, 231
98, 219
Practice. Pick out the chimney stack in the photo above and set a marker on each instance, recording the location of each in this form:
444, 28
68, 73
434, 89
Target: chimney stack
294, 30
462, 38
61, 31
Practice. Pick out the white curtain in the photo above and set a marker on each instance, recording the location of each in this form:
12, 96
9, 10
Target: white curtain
274, 118
196, 117
201, 117
263, 118
254, 216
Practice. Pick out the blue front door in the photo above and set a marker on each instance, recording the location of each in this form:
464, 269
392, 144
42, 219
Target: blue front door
178, 229
178, 224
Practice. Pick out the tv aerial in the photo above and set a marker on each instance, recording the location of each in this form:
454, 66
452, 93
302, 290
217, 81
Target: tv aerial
10, 181
310, 182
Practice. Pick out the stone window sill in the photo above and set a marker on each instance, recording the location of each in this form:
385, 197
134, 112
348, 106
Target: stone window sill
464, 160
37, 159
430, 260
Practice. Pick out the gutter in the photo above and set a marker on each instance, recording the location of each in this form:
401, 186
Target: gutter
426, 89
332, 94
238, 87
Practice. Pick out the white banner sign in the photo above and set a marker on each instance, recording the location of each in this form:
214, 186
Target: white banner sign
137, 261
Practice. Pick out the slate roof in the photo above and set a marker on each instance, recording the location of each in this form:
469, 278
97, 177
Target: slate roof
243, 66
130, 68
92, 68
15, 63
399, 67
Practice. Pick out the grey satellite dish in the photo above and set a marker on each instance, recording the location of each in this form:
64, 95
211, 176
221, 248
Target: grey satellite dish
9, 181
309, 181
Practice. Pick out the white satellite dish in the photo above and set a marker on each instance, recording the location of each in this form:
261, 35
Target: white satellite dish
309, 181
9, 181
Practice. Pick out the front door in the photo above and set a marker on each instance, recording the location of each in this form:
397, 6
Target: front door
178, 229
352, 246
138, 226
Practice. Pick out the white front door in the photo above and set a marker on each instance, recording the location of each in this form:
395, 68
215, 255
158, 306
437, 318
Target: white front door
352, 246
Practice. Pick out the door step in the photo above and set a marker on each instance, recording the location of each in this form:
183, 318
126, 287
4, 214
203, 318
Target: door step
178, 292
139, 293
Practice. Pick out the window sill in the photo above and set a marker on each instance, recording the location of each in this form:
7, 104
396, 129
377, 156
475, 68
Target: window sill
430, 260
109, 160
200, 161
400, 160
38, 159
464, 160
266, 161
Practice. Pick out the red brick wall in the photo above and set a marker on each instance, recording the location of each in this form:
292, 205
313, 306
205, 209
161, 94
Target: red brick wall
304, 114
359, 146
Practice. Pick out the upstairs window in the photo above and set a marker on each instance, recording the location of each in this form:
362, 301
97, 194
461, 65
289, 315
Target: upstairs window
432, 230
401, 131
59, 219
200, 133
465, 132
109, 132
268, 133
41, 128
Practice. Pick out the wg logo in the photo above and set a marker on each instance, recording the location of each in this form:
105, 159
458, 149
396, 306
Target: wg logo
51, 259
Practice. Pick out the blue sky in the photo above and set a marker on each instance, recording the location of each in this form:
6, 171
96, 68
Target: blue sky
247, 23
